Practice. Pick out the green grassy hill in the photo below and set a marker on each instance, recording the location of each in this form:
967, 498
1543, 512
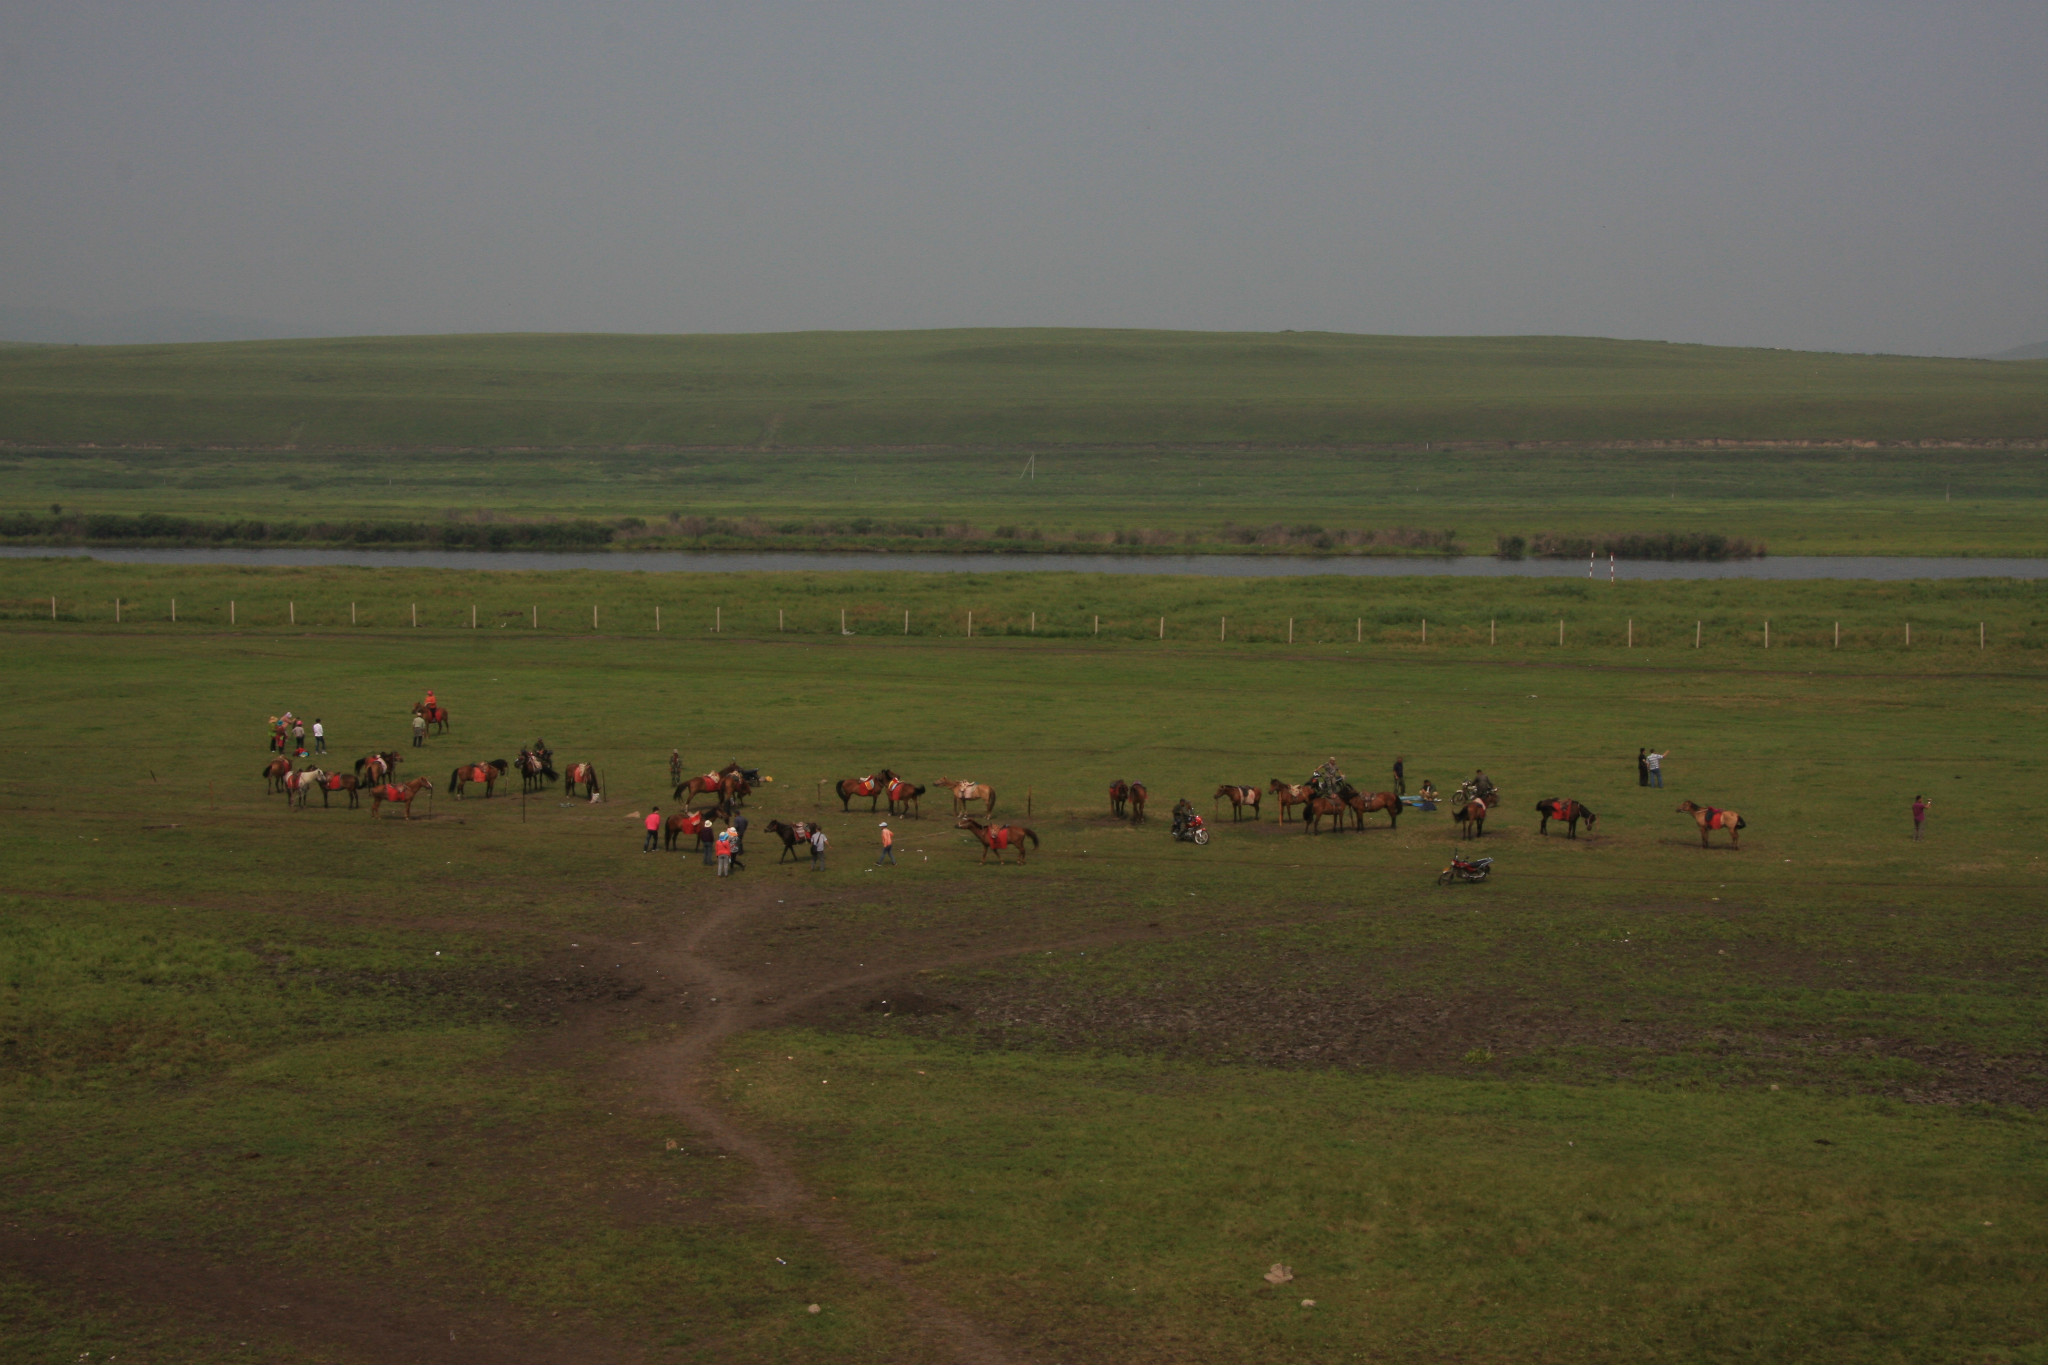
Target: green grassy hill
994, 388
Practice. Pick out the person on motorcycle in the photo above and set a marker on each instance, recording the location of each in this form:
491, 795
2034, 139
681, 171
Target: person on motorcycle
1183, 809
1328, 778
1482, 786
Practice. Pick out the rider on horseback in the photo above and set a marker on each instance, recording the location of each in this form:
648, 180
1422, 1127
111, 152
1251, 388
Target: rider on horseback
1327, 778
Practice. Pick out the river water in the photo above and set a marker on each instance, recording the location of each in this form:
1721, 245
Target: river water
1221, 566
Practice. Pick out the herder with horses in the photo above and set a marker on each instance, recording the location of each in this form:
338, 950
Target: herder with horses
1328, 779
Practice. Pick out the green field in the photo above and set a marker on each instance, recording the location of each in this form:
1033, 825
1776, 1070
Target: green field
300, 1084
1290, 442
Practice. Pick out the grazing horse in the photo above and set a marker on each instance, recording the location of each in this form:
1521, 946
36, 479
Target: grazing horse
1291, 794
340, 782
402, 795
436, 716
873, 787
685, 822
964, 792
1119, 792
1567, 810
584, 773
1137, 802
375, 768
486, 773
793, 835
274, 774
1710, 818
996, 838
534, 770
1471, 818
1363, 805
902, 794
1240, 797
1318, 807
297, 784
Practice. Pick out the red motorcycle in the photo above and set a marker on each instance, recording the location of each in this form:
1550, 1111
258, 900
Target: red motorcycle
1191, 831
1463, 869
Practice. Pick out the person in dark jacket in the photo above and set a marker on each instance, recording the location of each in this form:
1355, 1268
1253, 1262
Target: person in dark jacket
1642, 767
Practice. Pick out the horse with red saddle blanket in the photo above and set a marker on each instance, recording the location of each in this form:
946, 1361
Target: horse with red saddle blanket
585, 773
873, 787
401, 795
1710, 818
1566, 810
904, 796
996, 838
486, 773
684, 822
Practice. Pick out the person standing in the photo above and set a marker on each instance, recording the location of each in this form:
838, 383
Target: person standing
419, 731
1920, 805
675, 767
888, 853
739, 842
1642, 767
319, 736
724, 850
299, 737
1655, 764
1400, 777
818, 843
653, 831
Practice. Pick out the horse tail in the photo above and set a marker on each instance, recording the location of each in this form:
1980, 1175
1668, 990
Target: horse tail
1032, 835
455, 778
1741, 823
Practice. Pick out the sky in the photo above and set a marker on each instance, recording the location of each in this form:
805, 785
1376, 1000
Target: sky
1864, 177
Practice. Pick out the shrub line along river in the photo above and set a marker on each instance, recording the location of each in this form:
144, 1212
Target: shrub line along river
1879, 567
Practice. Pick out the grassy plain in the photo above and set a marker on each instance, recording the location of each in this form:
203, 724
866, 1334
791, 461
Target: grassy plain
1630, 1101
916, 439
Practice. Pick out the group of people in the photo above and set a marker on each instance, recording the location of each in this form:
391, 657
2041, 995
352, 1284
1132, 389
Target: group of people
288, 735
1650, 768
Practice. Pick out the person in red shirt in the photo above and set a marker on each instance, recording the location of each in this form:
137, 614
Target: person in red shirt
1920, 805
653, 831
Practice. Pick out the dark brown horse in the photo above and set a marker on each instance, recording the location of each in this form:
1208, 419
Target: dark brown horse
1471, 818
1711, 818
1119, 792
1363, 804
1291, 794
1137, 802
585, 773
728, 784
401, 795
340, 782
873, 787
1240, 797
996, 838
903, 796
793, 835
1567, 810
486, 773
685, 822
1319, 806
378, 767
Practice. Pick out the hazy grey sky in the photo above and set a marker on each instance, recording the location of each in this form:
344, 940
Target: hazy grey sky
1856, 176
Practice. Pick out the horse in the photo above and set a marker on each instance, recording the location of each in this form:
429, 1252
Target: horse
793, 835
274, 774
1709, 818
297, 784
902, 794
1318, 807
1291, 794
402, 795
728, 784
584, 773
996, 838
1567, 810
1471, 818
684, 822
1363, 805
340, 782
375, 768
436, 716
1119, 792
873, 787
1240, 797
486, 773
964, 792
1137, 800
534, 770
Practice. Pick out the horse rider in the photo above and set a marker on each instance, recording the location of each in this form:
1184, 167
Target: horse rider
1327, 778
1482, 786
428, 704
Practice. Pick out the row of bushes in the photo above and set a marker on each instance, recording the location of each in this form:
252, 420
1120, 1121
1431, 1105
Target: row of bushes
151, 528
1675, 545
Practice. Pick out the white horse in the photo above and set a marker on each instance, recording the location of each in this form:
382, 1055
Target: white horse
297, 784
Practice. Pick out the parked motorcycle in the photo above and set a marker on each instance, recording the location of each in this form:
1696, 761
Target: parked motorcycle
1463, 869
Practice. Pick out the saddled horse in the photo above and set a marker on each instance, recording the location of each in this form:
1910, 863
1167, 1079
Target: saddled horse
1291, 794
793, 835
1333, 806
1471, 818
996, 838
903, 797
377, 767
274, 774
584, 773
535, 772
403, 796
1137, 800
730, 785
298, 784
965, 792
1119, 793
1712, 818
340, 782
486, 773
1363, 804
436, 716
685, 822
1240, 797
1567, 810
874, 786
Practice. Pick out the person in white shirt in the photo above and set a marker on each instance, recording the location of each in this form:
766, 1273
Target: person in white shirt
1656, 766
319, 736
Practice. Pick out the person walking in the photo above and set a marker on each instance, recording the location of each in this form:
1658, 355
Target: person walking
1655, 764
419, 731
1400, 777
724, 849
319, 736
739, 842
653, 831
888, 853
1642, 767
1920, 805
818, 844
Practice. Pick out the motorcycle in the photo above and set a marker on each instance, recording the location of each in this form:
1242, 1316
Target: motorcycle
1192, 831
1463, 869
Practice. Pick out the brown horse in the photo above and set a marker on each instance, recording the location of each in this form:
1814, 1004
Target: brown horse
1471, 818
1364, 804
792, 836
1240, 797
1318, 807
436, 716
401, 795
486, 773
727, 784
534, 772
996, 838
1119, 792
1567, 810
903, 794
1710, 818
584, 773
1291, 794
685, 822
374, 768
965, 792
873, 787
274, 774
1137, 802
340, 782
